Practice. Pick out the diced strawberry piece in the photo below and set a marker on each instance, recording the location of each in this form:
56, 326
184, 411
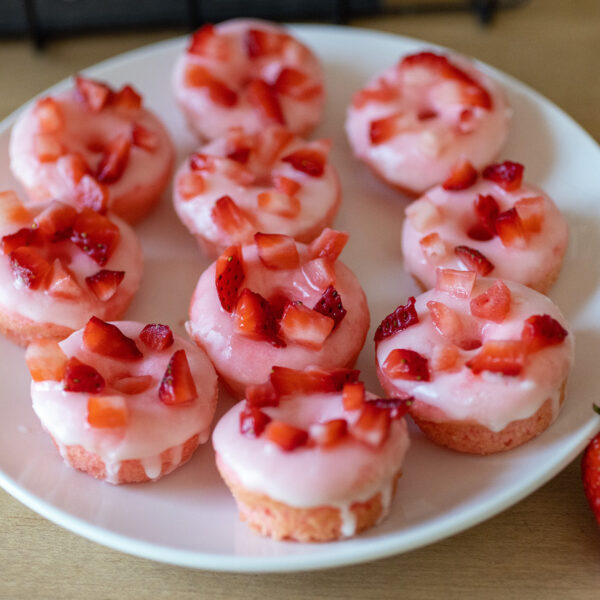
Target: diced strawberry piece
189, 185
107, 339
353, 395
114, 160
329, 244
277, 251
402, 318
313, 379
197, 76
73, 167
426, 114
45, 360
80, 377
229, 276
263, 43
49, 115
202, 162
508, 175
406, 364
445, 320
104, 283
286, 436
423, 214
487, 211
510, 229
229, 216
531, 213
55, 222
142, 137
29, 268
372, 427
95, 235
92, 194
590, 474
330, 305
177, 386
126, 99
305, 326
61, 283
397, 407
285, 185
261, 395
462, 176
278, 302
93, 94
12, 209
132, 384
384, 129
290, 82
107, 412
278, 203
456, 283
433, 247
319, 273
240, 155
444, 357
383, 92
541, 331
255, 319
11, 242
157, 337
207, 42
253, 421
263, 99
329, 433
307, 160
493, 304
47, 148
499, 356
474, 260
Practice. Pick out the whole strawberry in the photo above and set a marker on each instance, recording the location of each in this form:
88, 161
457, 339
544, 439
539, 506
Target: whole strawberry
590, 473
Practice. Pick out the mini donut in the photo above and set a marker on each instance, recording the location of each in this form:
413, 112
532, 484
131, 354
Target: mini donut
413, 122
59, 266
271, 181
278, 302
248, 73
310, 457
485, 360
494, 225
93, 146
124, 402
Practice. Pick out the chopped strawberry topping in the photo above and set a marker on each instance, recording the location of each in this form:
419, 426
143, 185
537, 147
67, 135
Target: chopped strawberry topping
456, 283
279, 203
402, 318
406, 364
92, 194
305, 326
271, 143
254, 318
444, 357
207, 42
277, 251
508, 175
541, 331
590, 474
127, 99
487, 211
22, 237
290, 82
49, 115
55, 222
433, 247
423, 214
61, 283
262, 43
330, 305
45, 360
328, 434
144, 138
262, 395
12, 209
307, 160
231, 218
319, 273
447, 322
313, 379
189, 185
177, 385
253, 421
329, 244
383, 92
372, 427
29, 268
157, 337
286, 436
493, 304
531, 213
385, 129
108, 340
229, 276
114, 160
510, 229
73, 167
462, 176
219, 93
353, 395
474, 260
104, 283
80, 377
499, 356
107, 412
95, 235
263, 99
240, 155
202, 162
47, 148
397, 407
132, 384
285, 185
93, 94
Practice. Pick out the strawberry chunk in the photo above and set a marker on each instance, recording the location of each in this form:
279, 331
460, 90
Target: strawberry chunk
279, 203
73, 167
541, 331
177, 386
462, 176
423, 214
45, 360
49, 115
447, 322
202, 162
396, 407
189, 185
384, 129
353, 395
286, 436
290, 82
95, 235
261, 43
287, 381
474, 260
108, 340
277, 251
47, 148
493, 304
383, 92
444, 357
285, 185
253, 421
143, 138
231, 218
319, 273
94, 94
456, 283
132, 384
590, 474
433, 248
487, 211
126, 99
92, 194
261, 395
402, 318
114, 160
255, 319
329, 433
29, 268
157, 337
372, 427
330, 305
263, 99
307, 160
207, 42
508, 175
22, 237
406, 364
531, 213
104, 283
107, 412
55, 222
80, 377
61, 283
305, 326
510, 229
219, 93
229, 276
329, 244
12, 209
499, 356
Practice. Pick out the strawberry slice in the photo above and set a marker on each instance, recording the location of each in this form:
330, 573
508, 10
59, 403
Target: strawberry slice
499, 356
290, 82
487, 211
590, 474
261, 395
80, 377
104, 283
61, 283
108, 340
143, 138
55, 222
462, 176
253, 421
353, 395
286, 436
22, 237
177, 386
433, 248
239, 154
444, 357
45, 360
383, 92
49, 115
107, 412
263, 99
95, 235
531, 212
307, 160
47, 148
456, 283
423, 214
114, 159
73, 167
508, 175
510, 229
474, 260
305, 326
219, 93
229, 276
132, 384
319, 273
12, 209
285, 185
541, 331
189, 185
449, 324
280, 204
493, 304
329, 433
157, 337
231, 218
330, 305
329, 244
287, 381
126, 99
277, 251
29, 268
384, 129
372, 427
397, 407
94, 94
402, 318
207, 42
259, 43
254, 319
406, 364
92, 194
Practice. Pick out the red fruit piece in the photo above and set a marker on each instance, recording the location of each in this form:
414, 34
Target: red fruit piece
287, 381
80, 377
286, 436
95, 235
290, 82
499, 356
22, 237
305, 326
449, 324
47, 148
229, 276
262, 395
443, 357
92, 194
207, 42
104, 283
383, 92
531, 212
285, 185
202, 162
277, 251
219, 93
493, 304
401, 318
177, 385
132, 384
253, 421
61, 283
12, 209
29, 268
127, 99
433, 247
590, 474
330, 305
114, 160
319, 273
93, 94
329, 244
406, 364
353, 395
462, 176
240, 155
307, 160
108, 340
510, 229
55, 222
541, 331
456, 283
49, 115
372, 427
229, 216
486, 210
385, 129
474, 260
45, 360
328, 434
73, 167
508, 175
157, 337
264, 101
254, 318
262, 43
107, 412
271, 143
189, 185
144, 138
396, 407
279, 204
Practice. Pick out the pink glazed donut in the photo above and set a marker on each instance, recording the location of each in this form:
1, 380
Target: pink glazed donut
93, 146
413, 122
486, 361
494, 225
123, 402
248, 73
271, 181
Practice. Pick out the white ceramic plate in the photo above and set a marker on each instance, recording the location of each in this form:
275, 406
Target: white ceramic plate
189, 518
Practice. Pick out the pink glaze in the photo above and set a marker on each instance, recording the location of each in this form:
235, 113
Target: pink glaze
533, 264
241, 361
210, 119
152, 426
424, 150
491, 399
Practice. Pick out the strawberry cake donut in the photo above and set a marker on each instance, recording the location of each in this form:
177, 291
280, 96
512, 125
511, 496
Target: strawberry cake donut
248, 73
271, 181
309, 456
123, 402
486, 361
413, 122
278, 302
93, 146
492, 224
59, 266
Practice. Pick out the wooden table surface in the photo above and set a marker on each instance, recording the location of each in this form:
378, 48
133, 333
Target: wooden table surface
547, 546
